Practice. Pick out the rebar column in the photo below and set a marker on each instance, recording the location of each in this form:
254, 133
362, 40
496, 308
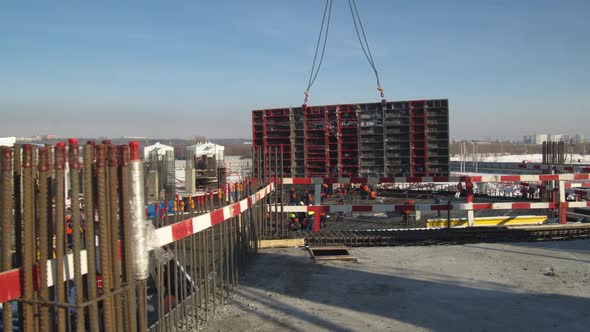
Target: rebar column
6, 221
113, 196
60, 162
74, 162
89, 234
18, 225
28, 237
103, 237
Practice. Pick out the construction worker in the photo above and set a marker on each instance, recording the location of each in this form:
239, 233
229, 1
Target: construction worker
406, 214
323, 219
310, 220
293, 197
294, 224
437, 201
459, 190
373, 195
307, 198
69, 231
365, 191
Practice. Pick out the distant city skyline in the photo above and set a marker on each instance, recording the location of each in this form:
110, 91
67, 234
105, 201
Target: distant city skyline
508, 68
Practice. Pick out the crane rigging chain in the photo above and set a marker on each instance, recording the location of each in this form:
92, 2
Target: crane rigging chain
323, 37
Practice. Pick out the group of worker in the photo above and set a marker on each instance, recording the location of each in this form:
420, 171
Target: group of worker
304, 221
305, 199
367, 192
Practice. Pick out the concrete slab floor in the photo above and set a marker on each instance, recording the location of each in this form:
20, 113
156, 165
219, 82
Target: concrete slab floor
542, 286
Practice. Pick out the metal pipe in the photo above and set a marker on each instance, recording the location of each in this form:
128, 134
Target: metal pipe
173, 274
213, 260
282, 192
43, 211
221, 250
194, 254
140, 254
275, 193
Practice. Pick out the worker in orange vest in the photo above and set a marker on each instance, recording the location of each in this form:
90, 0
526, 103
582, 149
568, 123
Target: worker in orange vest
293, 197
373, 195
365, 191
407, 213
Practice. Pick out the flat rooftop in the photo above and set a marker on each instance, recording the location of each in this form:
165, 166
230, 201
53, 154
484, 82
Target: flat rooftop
477, 287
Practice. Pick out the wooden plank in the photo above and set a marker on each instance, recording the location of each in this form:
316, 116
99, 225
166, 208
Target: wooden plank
335, 258
329, 248
282, 243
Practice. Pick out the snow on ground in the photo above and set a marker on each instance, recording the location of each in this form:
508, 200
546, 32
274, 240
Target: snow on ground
518, 158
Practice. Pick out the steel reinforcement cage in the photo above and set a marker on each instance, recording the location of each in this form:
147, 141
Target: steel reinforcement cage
399, 138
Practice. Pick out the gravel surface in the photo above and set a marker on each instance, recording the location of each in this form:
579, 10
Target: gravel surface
478, 287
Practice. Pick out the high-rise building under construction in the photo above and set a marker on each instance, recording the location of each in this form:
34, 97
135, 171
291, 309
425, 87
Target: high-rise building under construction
400, 138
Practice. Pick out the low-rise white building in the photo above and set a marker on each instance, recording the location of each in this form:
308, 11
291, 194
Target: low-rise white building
208, 150
158, 147
7, 141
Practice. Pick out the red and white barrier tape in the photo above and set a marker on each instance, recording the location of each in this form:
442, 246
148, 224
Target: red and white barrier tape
11, 280
577, 184
168, 234
422, 207
575, 204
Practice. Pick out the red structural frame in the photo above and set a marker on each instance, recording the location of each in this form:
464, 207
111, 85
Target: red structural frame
418, 148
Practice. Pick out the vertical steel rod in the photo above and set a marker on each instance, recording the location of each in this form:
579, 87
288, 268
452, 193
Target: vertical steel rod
60, 159
89, 234
18, 225
28, 236
74, 164
103, 238
113, 195
6, 218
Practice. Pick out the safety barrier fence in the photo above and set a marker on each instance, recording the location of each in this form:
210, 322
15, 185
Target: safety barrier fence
453, 179
85, 257
555, 194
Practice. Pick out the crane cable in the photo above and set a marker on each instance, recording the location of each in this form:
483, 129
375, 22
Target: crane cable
356, 17
325, 24
324, 28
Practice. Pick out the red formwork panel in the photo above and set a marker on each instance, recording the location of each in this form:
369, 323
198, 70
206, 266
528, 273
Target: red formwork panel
409, 138
418, 141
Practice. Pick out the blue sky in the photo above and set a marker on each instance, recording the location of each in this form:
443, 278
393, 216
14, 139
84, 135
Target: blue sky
186, 68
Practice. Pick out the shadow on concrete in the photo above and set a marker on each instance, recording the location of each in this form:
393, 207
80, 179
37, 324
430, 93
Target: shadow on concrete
571, 246
529, 253
293, 286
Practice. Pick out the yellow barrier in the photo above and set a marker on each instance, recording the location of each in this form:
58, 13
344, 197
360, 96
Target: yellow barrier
487, 221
